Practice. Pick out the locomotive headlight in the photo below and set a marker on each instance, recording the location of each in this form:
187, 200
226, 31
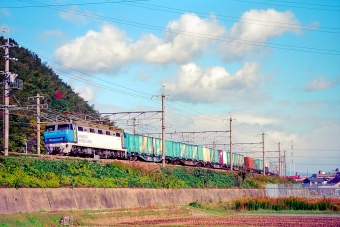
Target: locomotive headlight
61, 138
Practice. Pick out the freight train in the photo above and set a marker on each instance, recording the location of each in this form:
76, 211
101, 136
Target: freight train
85, 139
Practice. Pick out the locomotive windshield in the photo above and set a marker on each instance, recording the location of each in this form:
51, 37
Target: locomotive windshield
50, 128
65, 127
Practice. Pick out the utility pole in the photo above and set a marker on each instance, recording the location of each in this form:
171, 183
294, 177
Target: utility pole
292, 158
38, 106
6, 96
279, 160
264, 169
163, 130
10, 83
134, 126
285, 164
230, 144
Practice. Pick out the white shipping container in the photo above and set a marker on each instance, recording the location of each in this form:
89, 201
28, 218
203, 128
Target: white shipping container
206, 154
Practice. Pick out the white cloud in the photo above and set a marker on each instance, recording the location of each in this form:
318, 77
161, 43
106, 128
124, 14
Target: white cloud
50, 33
319, 83
70, 15
249, 35
111, 49
85, 92
195, 84
105, 52
186, 40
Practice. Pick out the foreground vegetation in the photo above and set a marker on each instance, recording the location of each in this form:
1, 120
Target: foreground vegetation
37, 172
166, 216
330, 205
90, 217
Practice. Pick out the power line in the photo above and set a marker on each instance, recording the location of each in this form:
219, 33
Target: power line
70, 4
204, 36
301, 7
311, 156
317, 164
123, 92
94, 76
235, 19
176, 10
312, 149
302, 3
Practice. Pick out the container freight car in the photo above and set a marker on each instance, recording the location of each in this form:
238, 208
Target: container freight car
249, 163
258, 164
86, 139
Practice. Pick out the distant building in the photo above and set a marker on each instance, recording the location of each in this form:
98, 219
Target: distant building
315, 181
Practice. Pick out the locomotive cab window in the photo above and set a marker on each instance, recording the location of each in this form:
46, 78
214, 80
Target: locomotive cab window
50, 128
118, 134
65, 127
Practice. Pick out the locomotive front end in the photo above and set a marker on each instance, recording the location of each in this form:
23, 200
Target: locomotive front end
59, 138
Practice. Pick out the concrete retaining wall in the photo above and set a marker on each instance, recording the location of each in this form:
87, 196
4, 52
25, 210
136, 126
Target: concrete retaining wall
25, 200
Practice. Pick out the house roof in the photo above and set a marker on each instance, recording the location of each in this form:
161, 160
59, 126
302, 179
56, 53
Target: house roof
314, 179
335, 180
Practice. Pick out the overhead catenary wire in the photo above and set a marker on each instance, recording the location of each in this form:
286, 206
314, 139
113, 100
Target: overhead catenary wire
253, 21
301, 7
204, 36
142, 4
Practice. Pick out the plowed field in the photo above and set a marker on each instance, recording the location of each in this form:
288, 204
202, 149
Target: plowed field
237, 220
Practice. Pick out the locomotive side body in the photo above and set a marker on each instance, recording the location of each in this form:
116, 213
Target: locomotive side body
96, 139
78, 138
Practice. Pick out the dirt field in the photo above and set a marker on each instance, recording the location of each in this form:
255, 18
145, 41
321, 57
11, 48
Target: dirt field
167, 216
242, 221
197, 218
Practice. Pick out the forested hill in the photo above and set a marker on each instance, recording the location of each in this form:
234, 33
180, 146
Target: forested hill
37, 77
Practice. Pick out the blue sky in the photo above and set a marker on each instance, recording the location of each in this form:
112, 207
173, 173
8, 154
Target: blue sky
274, 66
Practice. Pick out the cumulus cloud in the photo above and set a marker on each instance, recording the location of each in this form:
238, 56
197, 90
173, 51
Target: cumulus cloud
50, 33
184, 40
195, 84
70, 16
110, 49
319, 83
85, 92
105, 52
248, 35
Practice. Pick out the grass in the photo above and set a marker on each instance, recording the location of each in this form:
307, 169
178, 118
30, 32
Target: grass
272, 205
32, 219
91, 217
117, 217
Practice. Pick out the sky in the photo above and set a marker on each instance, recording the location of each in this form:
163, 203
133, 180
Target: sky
273, 67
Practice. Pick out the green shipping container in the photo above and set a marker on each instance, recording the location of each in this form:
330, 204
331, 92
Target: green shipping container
200, 155
157, 147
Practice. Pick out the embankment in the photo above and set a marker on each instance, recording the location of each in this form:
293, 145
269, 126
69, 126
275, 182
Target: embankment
24, 200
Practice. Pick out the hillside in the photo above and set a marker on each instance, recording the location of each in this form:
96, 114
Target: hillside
37, 77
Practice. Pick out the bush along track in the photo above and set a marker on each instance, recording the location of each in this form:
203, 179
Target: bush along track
44, 173
273, 204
